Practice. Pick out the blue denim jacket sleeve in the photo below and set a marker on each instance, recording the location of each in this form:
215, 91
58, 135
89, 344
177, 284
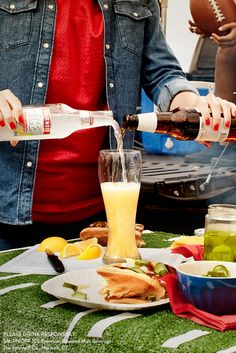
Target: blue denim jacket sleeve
162, 76
170, 89
136, 54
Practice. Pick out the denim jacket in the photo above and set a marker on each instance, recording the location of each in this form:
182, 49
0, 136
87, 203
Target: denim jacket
135, 53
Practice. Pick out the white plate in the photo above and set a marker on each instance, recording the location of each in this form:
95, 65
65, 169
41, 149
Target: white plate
33, 261
95, 283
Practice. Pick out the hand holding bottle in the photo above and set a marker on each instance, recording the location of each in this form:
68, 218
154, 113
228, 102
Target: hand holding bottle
50, 121
10, 111
207, 106
191, 117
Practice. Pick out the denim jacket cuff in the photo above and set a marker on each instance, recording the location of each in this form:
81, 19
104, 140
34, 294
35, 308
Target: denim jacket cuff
170, 89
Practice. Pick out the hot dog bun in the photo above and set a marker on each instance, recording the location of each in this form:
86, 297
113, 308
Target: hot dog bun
95, 232
99, 230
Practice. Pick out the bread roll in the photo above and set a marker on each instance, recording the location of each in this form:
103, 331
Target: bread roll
99, 230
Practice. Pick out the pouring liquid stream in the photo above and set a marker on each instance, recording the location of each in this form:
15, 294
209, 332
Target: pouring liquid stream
119, 135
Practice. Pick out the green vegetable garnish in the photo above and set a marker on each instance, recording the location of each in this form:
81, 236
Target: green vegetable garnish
222, 253
80, 295
76, 288
70, 285
151, 297
141, 262
136, 269
160, 269
218, 271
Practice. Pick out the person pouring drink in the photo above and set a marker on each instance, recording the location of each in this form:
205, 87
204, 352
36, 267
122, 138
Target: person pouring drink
91, 55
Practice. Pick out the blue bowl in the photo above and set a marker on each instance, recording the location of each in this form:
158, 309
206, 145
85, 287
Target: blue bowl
216, 295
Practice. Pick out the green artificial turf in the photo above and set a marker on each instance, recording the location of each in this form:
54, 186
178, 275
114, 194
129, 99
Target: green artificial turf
26, 327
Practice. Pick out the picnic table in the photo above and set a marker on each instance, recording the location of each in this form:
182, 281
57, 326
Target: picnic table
28, 327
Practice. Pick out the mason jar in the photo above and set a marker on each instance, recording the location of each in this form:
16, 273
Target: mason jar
220, 233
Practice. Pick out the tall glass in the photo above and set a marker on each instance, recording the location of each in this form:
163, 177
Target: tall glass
120, 177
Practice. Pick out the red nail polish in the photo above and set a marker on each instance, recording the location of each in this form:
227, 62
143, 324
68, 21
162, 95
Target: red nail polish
21, 120
12, 125
2, 123
216, 127
207, 121
227, 124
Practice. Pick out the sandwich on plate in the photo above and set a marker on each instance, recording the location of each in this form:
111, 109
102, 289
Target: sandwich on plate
134, 281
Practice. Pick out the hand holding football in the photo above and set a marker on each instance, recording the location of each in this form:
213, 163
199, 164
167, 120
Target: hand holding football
209, 15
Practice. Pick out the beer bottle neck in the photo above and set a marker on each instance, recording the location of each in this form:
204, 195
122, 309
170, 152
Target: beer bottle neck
149, 121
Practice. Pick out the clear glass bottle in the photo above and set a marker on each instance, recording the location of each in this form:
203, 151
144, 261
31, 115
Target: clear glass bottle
182, 124
54, 121
220, 233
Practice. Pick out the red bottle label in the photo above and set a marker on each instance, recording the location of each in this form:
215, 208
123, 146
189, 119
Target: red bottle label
37, 122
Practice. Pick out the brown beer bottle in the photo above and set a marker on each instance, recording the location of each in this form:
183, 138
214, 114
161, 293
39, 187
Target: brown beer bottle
182, 124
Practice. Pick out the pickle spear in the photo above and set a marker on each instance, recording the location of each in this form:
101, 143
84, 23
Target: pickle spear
218, 271
77, 293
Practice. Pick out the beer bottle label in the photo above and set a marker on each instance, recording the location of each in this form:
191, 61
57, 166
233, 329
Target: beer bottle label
147, 122
206, 133
37, 121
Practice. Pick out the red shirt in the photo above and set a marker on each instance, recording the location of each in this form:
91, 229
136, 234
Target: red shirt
66, 185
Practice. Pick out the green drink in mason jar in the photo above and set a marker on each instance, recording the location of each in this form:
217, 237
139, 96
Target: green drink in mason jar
220, 233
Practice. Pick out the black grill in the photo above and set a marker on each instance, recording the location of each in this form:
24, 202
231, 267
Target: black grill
171, 198
182, 181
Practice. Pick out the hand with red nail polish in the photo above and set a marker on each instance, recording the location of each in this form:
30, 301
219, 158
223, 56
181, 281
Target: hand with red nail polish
216, 127
12, 125
10, 111
227, 124
215, 111
21, 120
207, 121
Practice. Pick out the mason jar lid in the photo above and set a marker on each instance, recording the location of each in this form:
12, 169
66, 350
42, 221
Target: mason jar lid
199, 232
222, 211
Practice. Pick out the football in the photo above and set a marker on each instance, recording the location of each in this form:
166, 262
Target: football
209, 15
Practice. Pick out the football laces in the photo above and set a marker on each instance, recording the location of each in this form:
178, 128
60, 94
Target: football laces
217, 11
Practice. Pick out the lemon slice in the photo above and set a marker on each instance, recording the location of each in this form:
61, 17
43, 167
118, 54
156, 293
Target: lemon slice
70, 250
92, 251
84, 243
54, 244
